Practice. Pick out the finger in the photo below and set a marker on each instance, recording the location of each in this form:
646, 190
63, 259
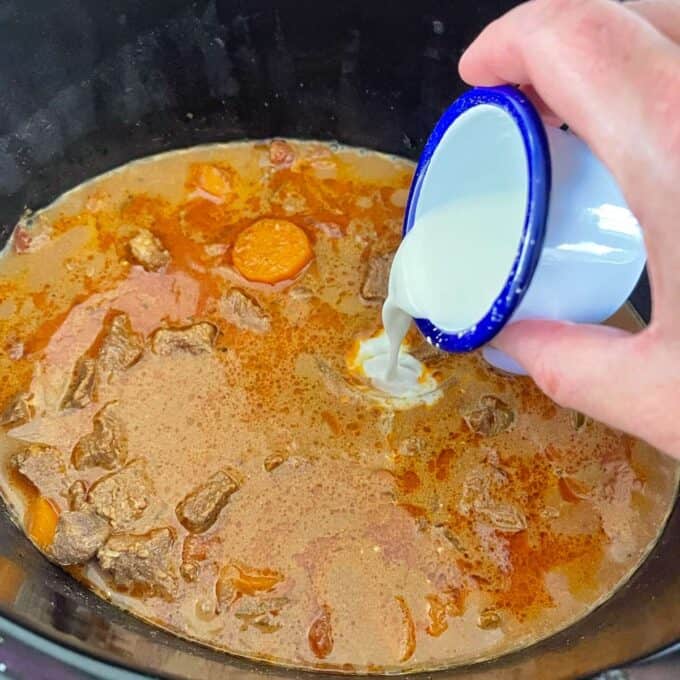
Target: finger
664, 15
615, 80
605, 372
591, 61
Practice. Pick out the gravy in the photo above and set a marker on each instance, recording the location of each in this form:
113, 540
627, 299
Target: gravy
188, 426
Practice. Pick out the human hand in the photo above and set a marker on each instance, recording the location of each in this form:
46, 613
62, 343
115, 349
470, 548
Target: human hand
612, 72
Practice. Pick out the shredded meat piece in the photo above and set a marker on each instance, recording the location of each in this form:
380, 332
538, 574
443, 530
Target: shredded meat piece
78, 537
147, 249
198, 511
196, 339
44, 466
18, 411
238, 309
121, 347
81, 386
374, 286
105, 446
494, 417
141, 561
122, 497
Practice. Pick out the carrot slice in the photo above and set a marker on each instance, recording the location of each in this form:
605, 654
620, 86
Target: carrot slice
41, 521
271, 250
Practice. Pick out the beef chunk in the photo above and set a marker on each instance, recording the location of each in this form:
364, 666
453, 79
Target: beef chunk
18, 411
121, 347
198, 511
147, 250
105, 446
494, 417
374, 286
240, 310
196, 339
118, 348
44, 466
121, 497
78, 537
81, 386
140, 561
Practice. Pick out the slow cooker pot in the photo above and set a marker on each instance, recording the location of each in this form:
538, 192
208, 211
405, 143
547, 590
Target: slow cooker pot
88, 85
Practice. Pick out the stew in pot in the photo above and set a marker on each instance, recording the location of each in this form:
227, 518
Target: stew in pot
186, 426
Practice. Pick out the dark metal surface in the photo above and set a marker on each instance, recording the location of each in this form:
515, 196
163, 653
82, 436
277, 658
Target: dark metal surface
88, 85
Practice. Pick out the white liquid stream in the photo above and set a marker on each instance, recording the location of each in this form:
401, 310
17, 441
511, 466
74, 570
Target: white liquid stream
449, 269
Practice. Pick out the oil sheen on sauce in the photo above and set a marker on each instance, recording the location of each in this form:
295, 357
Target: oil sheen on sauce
187, 347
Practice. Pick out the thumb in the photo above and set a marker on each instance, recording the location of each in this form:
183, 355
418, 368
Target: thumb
592, 369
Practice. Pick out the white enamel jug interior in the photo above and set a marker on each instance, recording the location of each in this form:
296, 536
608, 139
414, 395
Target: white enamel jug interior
469, 220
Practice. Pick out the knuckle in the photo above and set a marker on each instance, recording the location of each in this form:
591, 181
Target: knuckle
598, 30
565, 12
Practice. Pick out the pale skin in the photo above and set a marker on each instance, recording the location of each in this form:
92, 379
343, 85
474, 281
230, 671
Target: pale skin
612, 72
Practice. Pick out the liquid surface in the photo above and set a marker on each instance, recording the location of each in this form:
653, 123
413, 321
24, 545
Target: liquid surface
190, 428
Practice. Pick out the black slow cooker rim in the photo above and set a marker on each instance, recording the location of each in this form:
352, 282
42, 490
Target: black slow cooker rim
72, 644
